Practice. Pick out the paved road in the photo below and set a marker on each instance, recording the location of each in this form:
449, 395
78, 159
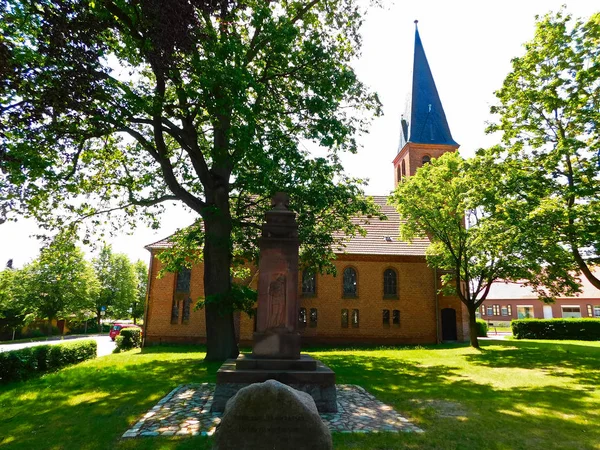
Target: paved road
105, 344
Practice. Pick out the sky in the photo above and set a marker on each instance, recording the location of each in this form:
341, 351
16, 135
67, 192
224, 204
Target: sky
469, 45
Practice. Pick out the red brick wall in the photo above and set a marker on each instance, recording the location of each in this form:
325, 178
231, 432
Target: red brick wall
416, 303
412, 155
538, 307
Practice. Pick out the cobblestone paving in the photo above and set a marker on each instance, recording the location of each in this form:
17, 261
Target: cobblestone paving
186, 411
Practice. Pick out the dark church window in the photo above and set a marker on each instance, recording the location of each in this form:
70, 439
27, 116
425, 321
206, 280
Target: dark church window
344, 318
183, 280
386, 317
396, 317
349, 281
355, 318
309, 283
180, 297
426, 159
390, 284
175, 311
187, 303
302, 318
313, 317
403, 168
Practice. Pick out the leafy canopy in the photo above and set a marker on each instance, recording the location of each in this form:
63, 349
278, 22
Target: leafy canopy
549, 119
138, 103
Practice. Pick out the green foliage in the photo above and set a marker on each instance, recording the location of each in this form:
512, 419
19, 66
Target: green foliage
119, 284
220, 102
129, 338
548, 118
59, 282
482, 328
14, 312
451, 202
238, 298
22, 364
141, 271
558, 329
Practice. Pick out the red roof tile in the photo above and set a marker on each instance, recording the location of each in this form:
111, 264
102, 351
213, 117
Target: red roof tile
382, 237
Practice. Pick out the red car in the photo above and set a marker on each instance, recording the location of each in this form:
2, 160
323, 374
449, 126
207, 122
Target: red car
117, 327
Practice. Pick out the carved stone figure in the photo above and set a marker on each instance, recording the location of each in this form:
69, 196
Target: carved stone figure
277, 302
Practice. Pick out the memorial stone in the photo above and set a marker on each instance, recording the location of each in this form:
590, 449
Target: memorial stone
272, 416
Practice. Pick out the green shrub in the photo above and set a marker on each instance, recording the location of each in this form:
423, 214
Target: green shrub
577, 329
482, 328
24, 363
130, 338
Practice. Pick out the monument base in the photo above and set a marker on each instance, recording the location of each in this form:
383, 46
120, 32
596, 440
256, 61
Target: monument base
305, 374
276, 344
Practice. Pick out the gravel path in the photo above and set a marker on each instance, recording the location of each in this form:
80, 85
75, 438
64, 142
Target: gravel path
186, 411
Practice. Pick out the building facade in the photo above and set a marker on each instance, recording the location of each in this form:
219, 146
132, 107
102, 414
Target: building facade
384, 291
510, 301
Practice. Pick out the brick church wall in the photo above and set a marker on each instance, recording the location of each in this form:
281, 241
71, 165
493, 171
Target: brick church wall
416, 303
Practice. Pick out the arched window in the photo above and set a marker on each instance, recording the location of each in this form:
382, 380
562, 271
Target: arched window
302, 318
389, 283
403, 168
349, 282
183, 280
309, 283
426, 159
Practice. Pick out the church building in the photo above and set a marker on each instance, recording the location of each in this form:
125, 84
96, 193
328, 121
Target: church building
384, 291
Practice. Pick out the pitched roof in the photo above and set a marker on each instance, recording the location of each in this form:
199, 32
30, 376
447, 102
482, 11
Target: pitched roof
381, 238
424, 121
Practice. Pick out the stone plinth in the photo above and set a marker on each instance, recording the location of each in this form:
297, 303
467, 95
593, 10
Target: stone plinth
304, 374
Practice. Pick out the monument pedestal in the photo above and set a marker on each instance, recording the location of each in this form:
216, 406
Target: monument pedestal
275, 344
305, 374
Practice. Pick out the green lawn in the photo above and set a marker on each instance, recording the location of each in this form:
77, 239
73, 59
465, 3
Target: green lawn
510, 395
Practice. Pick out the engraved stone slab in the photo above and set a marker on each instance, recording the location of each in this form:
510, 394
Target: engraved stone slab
271, 415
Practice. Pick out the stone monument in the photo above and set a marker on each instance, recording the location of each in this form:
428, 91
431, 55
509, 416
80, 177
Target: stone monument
276, 333
276, 341
271, 415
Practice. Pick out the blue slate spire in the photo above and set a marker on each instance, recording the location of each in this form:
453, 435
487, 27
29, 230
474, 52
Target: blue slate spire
424, 121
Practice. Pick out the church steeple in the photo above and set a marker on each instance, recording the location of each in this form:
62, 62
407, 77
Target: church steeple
424, 130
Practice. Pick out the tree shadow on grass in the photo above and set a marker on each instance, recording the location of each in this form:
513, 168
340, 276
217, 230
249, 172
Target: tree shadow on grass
580, 362
89, 406
524, 418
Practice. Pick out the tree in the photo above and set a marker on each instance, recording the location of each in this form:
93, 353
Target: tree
473, 239
548, 114
118, 284
59, 282
13, 313
141, 271
205, 103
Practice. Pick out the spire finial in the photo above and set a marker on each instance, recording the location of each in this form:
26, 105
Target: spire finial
416, 24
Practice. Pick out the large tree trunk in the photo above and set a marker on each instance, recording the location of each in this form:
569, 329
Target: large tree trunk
473, 327
220, 335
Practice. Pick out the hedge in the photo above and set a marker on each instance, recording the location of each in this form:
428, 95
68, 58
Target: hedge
129, 338
577, 329
482, 328
24, 363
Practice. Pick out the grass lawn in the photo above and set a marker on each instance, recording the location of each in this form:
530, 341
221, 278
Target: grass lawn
510, 395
